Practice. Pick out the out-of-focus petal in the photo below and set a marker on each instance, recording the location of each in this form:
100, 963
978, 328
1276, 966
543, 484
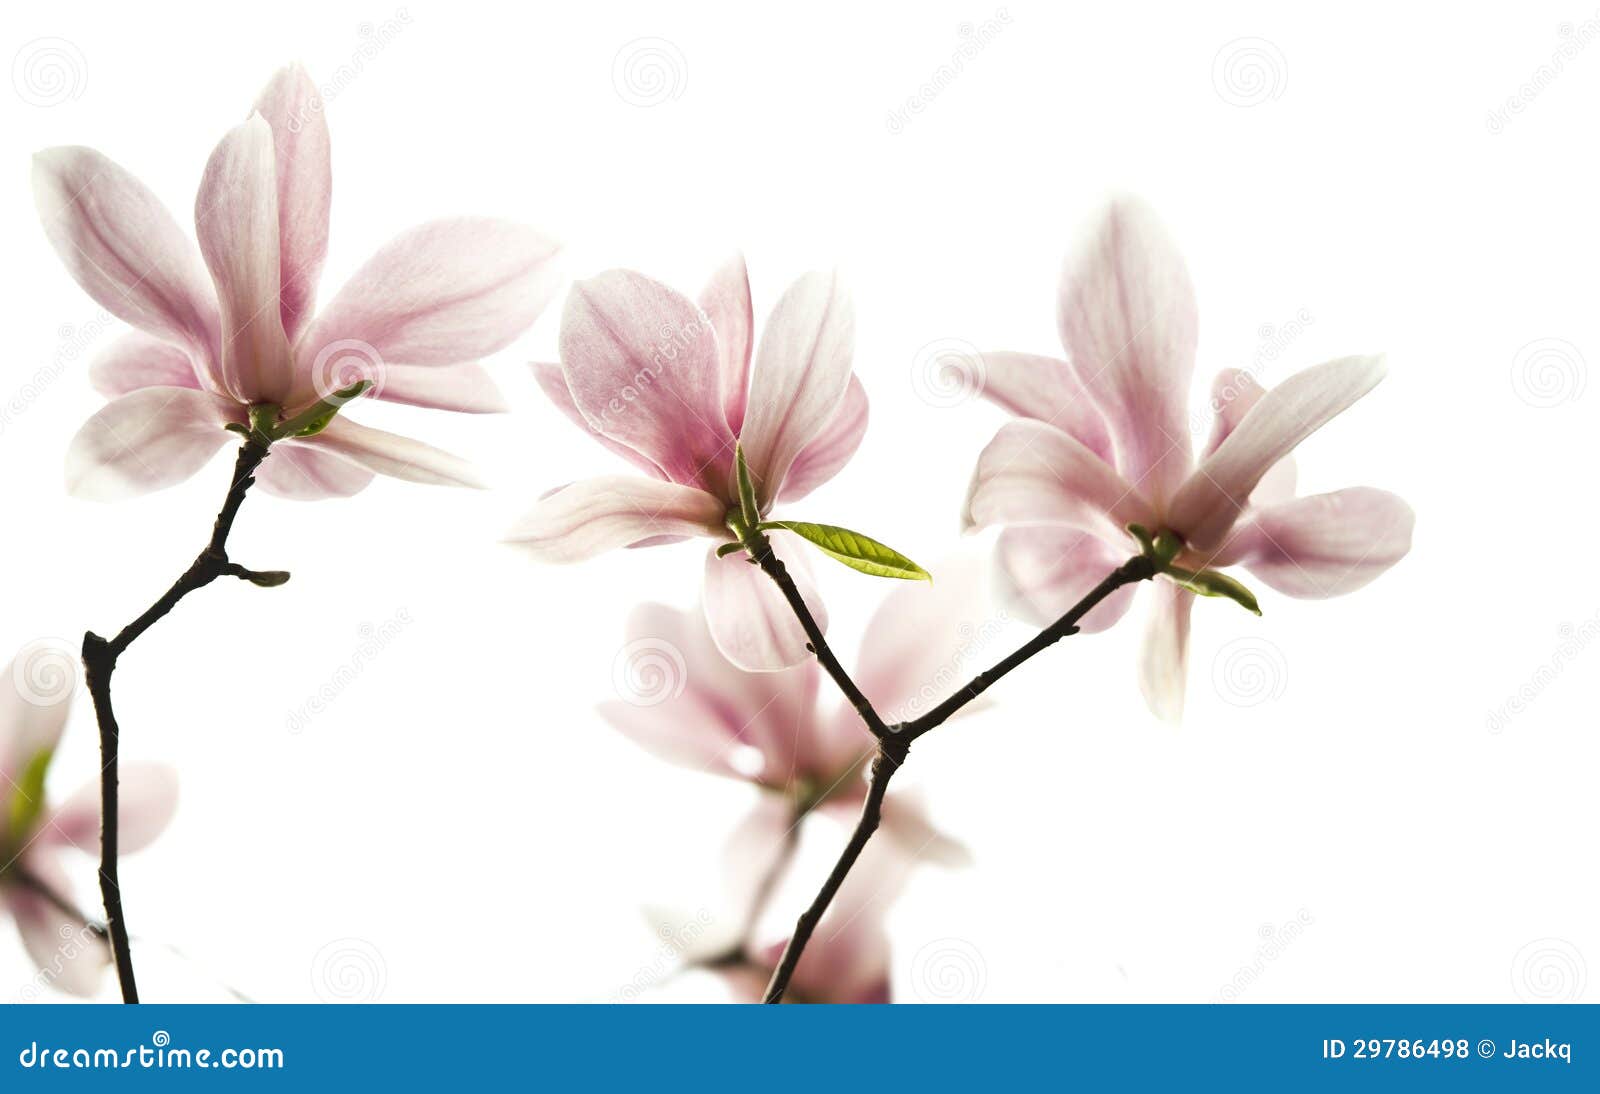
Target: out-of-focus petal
147, 798
751, 621
305, 472
831, 449
395, 456
726, 302
1046, 569
236, 221
1209, 502
588, 518
35, 696
125, 249
1032, 473
1164, 655
293, 108
465, 388
151, 439
1324, 545
136, 360
801, 372
1046, 388
553, 382
641, 364
1233, 393
1129, 323
70, 957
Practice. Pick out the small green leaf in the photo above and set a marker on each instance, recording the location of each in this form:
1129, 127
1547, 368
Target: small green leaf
1215, 583
729, 548
27, 799
315, 418
853, 549
748, 510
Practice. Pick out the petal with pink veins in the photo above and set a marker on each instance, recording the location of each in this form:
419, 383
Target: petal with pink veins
1046, 389
1164, 654
1129, 322
466, 388
751, 621
726, 302
585, 519
135, 361
147, 440
308, 472
1033, 473
1046, 569
293, 108
1210, 501
147, 799
395, 456
799, 379
553, 382
1324, 545
831, 449
123, 247
1233, 393
641, 364
236, 221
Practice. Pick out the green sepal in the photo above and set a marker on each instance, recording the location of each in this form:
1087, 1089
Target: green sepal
855, 550
749, 511
315, 418
1214, 583
27, 798
729, 548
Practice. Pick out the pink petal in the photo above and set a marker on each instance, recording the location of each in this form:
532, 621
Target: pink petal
831, 449
70, 957
553, 382
1047, 389
1233, 393
236, 221
1032, 473
135, 361
1046, 569
641, 364
906, 823
35, 697
1210, 501
124, 248
1128, 320
395, 456
1164, 656
924, 641
681, 699
440, 294
751, 621
293, 108
1324, 545
588, 518
147, 798
802, 370
151, 439
466, 388
307, 472
726, 302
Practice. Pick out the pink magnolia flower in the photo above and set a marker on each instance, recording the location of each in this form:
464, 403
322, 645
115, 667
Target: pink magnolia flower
231, 325
668, 385
1104, 441
33, 882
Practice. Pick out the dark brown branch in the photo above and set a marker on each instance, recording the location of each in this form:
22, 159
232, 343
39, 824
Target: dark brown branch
100, 661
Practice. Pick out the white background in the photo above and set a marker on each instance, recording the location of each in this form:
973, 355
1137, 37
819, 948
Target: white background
460, 812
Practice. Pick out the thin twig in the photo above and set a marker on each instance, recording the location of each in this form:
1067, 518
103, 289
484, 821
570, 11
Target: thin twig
100, 661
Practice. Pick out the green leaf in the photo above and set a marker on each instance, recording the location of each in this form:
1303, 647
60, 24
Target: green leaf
729, 548
749, 512
27, 799
853, 549
315, 418
1215, 583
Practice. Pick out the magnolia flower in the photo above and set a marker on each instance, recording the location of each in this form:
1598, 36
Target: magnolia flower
33, 883
1104, 442
668, 385
231, 325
